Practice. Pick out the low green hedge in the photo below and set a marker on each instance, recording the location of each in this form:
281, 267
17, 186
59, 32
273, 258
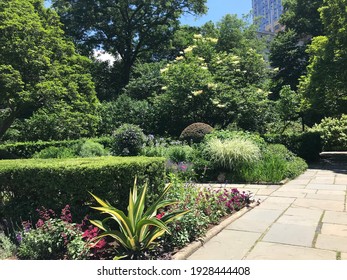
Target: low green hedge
28, 149
28, 184
307, 145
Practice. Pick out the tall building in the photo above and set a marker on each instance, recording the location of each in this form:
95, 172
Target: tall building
268, 12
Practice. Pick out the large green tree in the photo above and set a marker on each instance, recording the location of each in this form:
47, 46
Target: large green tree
40, 70
325, 85
129, 30
288, 50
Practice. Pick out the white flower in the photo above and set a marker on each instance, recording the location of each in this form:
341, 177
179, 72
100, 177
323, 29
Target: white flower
187, 50
197, 92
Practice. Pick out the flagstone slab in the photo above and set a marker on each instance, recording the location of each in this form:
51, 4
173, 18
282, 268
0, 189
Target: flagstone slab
256, 220
227, 245
293, 186
331, 242
275, 251
334, 217
291, 234
301, 216
331, 205
334, 229
294, 194
327, 196
330, 187
331, 192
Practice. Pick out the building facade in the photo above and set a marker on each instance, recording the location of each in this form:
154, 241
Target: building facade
268, 13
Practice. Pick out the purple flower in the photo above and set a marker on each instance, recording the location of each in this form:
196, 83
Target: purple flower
19, 237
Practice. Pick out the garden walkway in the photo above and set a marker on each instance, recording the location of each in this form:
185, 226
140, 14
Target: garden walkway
304, 219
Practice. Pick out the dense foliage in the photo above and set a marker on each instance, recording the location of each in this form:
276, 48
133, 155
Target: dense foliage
28, 184
43, 80
128, 30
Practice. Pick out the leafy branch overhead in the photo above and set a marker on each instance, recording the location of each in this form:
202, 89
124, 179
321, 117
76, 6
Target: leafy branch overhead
129, 30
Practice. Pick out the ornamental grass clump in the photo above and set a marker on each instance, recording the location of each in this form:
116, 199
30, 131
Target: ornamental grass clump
231, 154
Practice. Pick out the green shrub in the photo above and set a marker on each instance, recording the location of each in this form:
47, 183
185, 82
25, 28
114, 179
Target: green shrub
231, 154
333, 132
92, 149
228, 135
306, 145
277, 163
7, 248
195, 132
180, 153
28, 149
55, 152
124, 110
28, 184
128, 140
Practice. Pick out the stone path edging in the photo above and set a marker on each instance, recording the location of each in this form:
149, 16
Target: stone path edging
185, 252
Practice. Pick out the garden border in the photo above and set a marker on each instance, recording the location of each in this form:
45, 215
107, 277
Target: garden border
187, 251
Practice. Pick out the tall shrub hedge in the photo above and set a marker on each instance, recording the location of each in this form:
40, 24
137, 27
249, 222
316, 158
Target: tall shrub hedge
306, 145
28, 149
28, 184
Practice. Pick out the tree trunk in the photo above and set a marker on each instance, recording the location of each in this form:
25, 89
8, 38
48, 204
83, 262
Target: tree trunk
6, 124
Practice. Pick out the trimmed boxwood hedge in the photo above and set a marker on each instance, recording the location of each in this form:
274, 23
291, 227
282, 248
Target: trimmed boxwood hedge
28, 149
28, 184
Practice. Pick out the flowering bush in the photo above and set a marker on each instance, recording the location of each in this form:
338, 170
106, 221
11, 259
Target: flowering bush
207, 206
57, 238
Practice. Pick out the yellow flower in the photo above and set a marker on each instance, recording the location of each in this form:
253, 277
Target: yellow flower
164, 88
164, 70
179, 58
197, 36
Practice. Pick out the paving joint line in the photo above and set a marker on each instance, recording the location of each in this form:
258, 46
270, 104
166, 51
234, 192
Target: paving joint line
265, 232
318, 230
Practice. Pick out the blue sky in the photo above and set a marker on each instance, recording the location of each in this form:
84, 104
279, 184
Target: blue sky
219, 8
216, 10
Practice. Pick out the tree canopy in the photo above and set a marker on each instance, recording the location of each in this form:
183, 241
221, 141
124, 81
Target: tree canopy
129, 30
325, 85
40, 71
288, 50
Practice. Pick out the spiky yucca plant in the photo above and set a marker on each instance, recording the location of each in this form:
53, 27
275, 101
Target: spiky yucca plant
139, 230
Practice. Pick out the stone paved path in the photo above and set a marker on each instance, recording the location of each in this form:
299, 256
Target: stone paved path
305, 219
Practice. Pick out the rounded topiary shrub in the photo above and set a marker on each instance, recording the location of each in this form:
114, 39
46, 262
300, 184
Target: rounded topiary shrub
128, 140
196, 132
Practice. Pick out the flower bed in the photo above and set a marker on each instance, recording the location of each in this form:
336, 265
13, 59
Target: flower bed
181, 215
